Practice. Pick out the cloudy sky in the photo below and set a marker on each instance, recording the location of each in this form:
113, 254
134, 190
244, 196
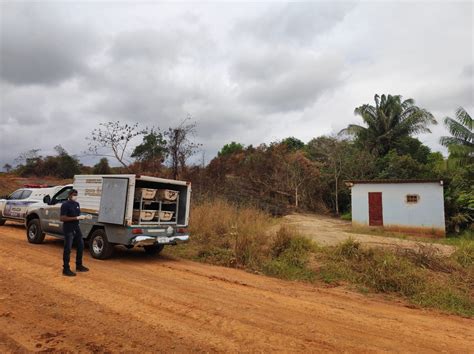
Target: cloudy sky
246, 72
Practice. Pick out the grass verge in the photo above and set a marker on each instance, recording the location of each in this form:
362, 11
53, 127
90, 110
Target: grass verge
247, 238
451, 239
420, 276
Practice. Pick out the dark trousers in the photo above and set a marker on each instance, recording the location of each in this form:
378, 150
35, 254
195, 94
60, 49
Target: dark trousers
70, 238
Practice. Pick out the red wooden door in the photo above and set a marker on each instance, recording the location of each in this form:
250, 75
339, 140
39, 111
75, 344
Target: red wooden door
375, 209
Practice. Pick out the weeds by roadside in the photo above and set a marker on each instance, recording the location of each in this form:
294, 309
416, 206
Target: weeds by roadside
464, 255
239, 237
290, 256
421, 276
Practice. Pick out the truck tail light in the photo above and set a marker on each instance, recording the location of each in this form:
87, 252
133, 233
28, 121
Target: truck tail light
137, 231
182, 230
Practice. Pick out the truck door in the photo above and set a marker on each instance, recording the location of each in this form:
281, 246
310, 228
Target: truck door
51, 222
113, 201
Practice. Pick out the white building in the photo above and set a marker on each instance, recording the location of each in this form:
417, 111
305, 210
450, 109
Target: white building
400, 205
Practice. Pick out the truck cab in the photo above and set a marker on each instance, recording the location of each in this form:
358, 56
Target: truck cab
128, 210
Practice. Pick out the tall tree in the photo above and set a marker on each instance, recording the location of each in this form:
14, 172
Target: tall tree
62, 165
151, 153
299, 171
102, 167
387, 122
339, 160
292, 143
7, 167
230, 148
27, 162
461, 141
459, 201
115, 137
180, 145
28, 157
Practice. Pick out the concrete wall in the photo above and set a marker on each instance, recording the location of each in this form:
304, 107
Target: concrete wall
426, 216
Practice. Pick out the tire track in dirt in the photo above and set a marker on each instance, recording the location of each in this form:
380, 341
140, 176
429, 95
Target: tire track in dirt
135, 303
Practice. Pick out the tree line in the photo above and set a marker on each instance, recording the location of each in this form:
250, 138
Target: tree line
289, 174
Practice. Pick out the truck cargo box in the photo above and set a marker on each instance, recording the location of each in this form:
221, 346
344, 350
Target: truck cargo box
134, 199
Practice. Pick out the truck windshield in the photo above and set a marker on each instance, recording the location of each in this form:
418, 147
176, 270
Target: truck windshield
62, 195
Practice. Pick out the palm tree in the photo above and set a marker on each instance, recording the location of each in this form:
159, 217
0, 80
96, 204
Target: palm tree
461, 141
390, 120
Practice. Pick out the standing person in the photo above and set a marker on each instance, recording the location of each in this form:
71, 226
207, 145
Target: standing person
70, 216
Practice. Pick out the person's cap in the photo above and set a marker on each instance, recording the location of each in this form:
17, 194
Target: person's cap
72, 191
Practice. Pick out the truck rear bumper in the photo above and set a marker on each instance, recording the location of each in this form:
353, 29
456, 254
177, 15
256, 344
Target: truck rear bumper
142, 240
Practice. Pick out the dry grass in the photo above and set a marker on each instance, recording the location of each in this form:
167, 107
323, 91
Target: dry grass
241, 237
464, 255
228, 235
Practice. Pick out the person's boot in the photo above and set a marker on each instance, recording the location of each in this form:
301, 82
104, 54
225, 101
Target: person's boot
81, 268
68, 273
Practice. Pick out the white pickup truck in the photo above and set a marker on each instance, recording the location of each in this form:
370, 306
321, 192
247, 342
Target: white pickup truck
128, 210
15, 206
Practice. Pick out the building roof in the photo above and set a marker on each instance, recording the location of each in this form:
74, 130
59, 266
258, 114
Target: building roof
385, 181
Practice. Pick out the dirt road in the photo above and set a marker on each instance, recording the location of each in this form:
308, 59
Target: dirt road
330, 231
136, 303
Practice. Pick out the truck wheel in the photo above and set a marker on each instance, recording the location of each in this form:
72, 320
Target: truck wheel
2, 221
153, 249
99, 246
34, 233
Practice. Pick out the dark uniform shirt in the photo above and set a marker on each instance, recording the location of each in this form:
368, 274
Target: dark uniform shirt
70, 208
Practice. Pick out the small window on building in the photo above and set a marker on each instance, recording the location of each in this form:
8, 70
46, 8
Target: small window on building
413, 198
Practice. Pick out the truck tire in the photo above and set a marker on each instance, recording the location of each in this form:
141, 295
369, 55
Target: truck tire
99, 246
153, 249
2, 221
34, 233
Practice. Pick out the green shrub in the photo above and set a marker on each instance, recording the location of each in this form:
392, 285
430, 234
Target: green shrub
290, 254
346, 216
464, 254
282, 241
349, 249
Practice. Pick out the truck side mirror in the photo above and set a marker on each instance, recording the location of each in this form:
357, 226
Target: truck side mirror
47, 199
